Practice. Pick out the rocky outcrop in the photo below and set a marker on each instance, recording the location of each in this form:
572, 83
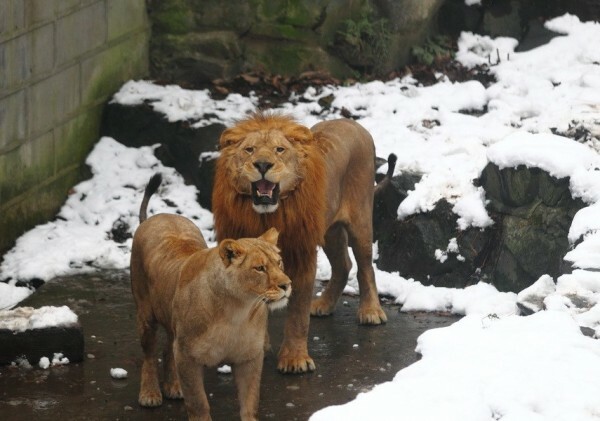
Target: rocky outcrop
532, 212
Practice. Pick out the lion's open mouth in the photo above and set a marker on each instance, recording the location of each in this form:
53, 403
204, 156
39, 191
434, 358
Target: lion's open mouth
264, 192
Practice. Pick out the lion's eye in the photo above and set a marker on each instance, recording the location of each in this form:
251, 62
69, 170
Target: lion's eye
260, 268
280, 149
249, 149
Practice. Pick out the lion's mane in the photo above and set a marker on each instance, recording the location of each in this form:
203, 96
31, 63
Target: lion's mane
300, 218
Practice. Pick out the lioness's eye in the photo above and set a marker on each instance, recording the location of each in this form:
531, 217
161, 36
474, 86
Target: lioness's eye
249, 149
260, 268
279, 149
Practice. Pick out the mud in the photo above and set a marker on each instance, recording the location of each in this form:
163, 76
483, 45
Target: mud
350, 359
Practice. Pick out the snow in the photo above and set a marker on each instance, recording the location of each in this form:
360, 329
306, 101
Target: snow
118, 373
492, 364
44, 363
26, 318
224, 369
511, 368
10, 295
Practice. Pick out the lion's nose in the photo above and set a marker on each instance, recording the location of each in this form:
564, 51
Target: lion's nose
263, 166
284, 287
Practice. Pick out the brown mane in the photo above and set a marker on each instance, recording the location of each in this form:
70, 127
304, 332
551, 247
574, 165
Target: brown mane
300, 219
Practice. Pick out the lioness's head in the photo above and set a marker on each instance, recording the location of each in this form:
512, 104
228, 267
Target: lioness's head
255, 268
263, 155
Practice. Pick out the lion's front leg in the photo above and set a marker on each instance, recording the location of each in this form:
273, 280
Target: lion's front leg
293, 354
191, 379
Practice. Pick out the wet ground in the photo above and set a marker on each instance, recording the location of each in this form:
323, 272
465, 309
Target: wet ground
349, 358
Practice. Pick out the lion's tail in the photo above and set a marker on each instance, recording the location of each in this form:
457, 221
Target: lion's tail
151, 188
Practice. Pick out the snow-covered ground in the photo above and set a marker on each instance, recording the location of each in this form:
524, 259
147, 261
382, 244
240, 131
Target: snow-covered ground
493, 364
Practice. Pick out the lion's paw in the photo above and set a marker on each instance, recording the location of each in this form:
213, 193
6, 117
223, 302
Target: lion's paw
295, 365
320, 308
371, 316
150, 399
173, 391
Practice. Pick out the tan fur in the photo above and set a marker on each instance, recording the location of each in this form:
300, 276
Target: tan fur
212, 303
326, 178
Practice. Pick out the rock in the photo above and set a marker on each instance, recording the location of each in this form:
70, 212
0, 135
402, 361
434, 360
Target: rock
197, 57
532, 213
34, 344
33, 333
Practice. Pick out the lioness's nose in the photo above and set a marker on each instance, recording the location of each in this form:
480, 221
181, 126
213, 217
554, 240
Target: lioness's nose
263, 166
284, 286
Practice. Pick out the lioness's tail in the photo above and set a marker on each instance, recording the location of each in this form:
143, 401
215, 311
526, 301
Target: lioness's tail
151, 188
392, 158
386, 181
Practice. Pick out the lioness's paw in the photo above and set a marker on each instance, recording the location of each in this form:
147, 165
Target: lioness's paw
371, 316
150, 399
288, 365
320, 308
173, 391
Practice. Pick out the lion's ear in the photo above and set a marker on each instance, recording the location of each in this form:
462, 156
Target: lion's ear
298, 133
230, 251
229, 137
271, 236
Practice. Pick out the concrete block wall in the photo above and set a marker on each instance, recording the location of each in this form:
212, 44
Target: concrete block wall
60, 61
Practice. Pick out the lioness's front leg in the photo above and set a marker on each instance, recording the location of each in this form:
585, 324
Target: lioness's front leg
191, 379
293, 354
247, 378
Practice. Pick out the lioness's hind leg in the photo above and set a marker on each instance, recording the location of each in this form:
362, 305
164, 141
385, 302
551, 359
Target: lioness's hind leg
149, 388
369, 309
336, 250
171, 386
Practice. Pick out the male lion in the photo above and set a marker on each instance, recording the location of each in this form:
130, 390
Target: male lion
316, 187
212, 303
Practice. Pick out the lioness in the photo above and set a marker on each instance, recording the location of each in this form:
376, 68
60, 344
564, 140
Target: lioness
212, 303
316, 187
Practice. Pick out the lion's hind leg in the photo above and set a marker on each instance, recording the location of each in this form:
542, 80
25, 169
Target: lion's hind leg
150, 394
369, 309
336, 250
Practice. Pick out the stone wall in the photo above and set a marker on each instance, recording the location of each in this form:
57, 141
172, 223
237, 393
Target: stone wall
195, 42
60, 60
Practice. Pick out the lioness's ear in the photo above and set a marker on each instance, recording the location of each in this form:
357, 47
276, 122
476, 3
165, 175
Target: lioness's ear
271, 236
297, 133
230, 251
229, 137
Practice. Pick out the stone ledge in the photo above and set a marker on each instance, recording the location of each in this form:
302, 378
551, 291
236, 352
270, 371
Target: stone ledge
34, 344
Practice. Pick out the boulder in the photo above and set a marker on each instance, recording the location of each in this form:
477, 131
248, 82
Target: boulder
532, 212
